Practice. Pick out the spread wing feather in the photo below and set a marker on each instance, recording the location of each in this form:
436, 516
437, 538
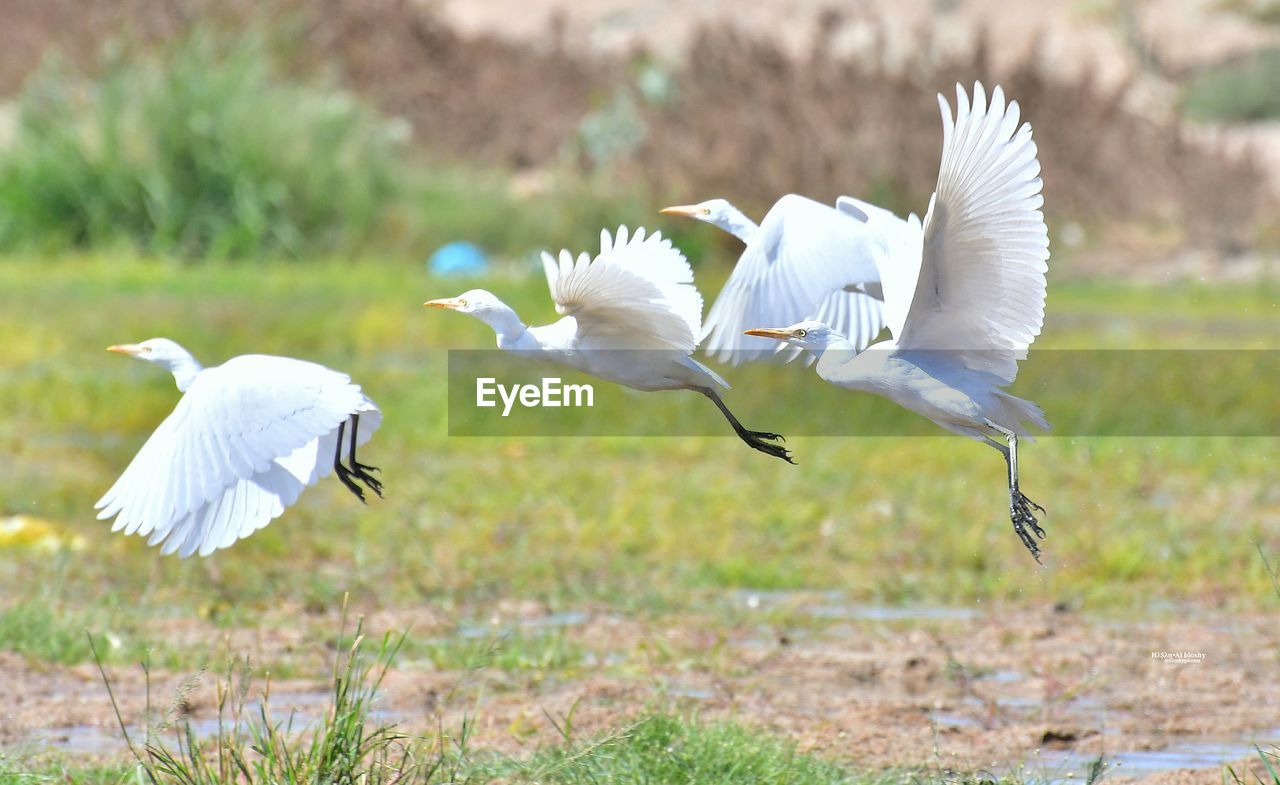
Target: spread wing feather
638, 293
240, 446
981, 284
805, 261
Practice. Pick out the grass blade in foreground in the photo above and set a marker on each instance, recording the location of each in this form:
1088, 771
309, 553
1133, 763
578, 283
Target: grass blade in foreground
346, 746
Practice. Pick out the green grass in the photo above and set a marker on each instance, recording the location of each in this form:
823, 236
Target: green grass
351, 745
1241, 90
53, 633
677, 750
666, 748
1264, 11
503, 651
202, 149
642, 525
346, 746
64, 772
218, 146
1270, 774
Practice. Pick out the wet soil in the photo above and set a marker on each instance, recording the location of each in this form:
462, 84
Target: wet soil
1040, 688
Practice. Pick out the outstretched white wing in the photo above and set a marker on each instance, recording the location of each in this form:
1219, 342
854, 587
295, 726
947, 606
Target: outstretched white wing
806, 261
899, 266
637, 294
240, 446
981, 284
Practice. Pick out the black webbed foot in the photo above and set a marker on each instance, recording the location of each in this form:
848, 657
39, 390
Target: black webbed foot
1020, 512
361, 472
345, 475
759, 442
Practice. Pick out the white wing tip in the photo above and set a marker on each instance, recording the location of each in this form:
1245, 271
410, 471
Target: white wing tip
625, 238
845, 204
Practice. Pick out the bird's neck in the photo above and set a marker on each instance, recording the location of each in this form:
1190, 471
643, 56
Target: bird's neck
185, 371
506, 325
835, 355
736, 223
872, 369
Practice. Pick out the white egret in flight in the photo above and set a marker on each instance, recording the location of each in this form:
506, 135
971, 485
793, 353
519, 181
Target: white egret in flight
243, 442
805, 260
631, 316
964, 293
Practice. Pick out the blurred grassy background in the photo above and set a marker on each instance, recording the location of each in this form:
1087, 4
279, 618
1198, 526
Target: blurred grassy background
649, 525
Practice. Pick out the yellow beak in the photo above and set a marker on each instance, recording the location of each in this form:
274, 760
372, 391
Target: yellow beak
124, 348
684, 210
770, 332
447, 302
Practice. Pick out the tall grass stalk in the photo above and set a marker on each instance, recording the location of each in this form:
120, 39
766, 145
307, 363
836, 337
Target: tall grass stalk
1270, 765
349, 745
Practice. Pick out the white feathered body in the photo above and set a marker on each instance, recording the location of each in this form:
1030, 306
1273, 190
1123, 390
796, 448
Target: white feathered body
244, 441
934, 384
645, 369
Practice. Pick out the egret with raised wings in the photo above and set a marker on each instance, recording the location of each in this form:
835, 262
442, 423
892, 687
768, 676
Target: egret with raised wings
964, 293
243, 442
631, 316
806, 260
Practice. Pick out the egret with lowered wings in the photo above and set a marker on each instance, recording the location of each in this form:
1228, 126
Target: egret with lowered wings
246, 438
806, 260
631, 316
964, 293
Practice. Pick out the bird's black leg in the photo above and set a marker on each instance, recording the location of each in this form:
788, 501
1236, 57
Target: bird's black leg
344, 474
1021, 509
360, 470
757, 440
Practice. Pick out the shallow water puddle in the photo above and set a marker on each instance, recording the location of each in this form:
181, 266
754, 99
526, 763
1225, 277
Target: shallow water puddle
853, 611
549, 622
1071, 766
1068, 766
293, 712
832, 606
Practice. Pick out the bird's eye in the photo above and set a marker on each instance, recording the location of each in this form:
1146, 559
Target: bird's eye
801, 333
146, 348
462, 302
706, 211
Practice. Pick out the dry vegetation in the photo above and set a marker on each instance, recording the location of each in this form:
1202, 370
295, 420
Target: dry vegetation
740, 117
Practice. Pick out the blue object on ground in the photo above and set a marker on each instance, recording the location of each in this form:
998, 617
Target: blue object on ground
458, 258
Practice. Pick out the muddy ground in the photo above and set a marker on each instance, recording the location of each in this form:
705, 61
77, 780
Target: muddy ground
1045, 688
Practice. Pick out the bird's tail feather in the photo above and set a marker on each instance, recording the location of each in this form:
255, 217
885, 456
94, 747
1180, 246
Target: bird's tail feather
693, 364
1019, 413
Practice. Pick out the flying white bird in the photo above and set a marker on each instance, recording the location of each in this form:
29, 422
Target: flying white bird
806, 260
243, 442
631, 316
964, 294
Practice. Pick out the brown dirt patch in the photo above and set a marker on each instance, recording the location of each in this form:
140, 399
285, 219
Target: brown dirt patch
960, 693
